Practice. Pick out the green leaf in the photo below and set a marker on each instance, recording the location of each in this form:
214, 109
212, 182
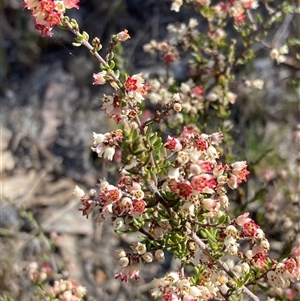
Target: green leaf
158, 143
293, 42
85, 35
111, 56
135, 135
117, 73
203, 233
259, 18
222, 219
210, 235
112, 65
103, 67
263, 288
146, 158
138, 152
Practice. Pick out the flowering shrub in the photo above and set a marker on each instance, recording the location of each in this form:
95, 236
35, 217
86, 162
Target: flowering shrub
64, 290
174, 190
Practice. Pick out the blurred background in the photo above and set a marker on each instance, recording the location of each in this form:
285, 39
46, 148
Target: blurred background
49, 109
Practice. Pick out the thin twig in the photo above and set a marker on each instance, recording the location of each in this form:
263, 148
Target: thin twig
220, 263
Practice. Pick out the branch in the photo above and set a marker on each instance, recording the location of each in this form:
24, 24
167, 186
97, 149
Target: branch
220, 263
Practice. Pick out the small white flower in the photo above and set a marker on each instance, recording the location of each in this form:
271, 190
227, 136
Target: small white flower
183, 285
173, 277
283, 49
123, 262
188, 208
120, 253
177, 107
176, 97
159, 254
174, 173
212, 152
258, 84
239, 165
212, 96
245, 267
109, 153
139, 247
78, 192
98, 138
183, 157
148, 257
274, 54
193, 23
184, 88
176, 4
118, 223
231, 231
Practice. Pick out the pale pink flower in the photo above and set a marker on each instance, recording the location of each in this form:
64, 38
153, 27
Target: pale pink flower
131, 271
174, 173
232, 182
250, 228
216, 137
99, 78
209, 204
204, 183
71, 4
173, 144
242, 219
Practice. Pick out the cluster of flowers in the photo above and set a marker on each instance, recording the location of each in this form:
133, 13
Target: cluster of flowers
67, 290
181, 36
226, 9
198, 179
117, 204
278, 54
38, 273
191, 94
125, 108
286, 271
105, 144
176, 287
62, 290
48, 13
130, 262
196, 175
